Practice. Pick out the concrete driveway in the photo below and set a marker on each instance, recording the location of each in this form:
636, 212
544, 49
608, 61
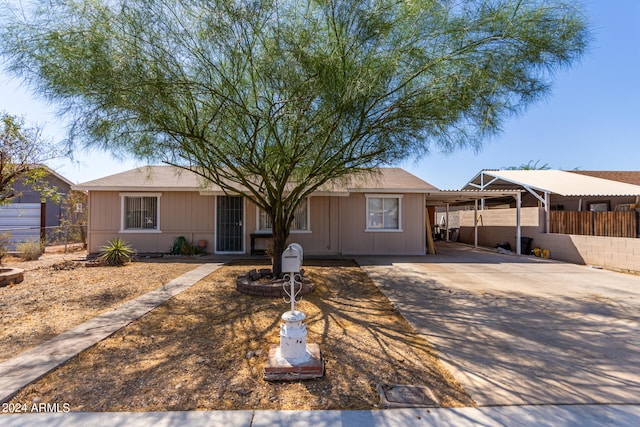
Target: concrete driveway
521, 330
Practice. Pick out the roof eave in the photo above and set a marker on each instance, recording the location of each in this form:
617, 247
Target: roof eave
392, 190
130, 189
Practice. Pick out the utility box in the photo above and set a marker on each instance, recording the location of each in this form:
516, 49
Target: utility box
292, 259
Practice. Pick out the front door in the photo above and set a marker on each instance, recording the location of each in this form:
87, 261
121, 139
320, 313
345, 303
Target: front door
229, 229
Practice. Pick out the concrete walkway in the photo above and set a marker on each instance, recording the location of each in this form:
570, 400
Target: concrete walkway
521, 330
511, 416
32, 364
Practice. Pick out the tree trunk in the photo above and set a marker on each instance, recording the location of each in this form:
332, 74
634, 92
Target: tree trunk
280, 236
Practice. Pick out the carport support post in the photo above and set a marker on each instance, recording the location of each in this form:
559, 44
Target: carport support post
518, 231
446, 224
475, 223
547, 218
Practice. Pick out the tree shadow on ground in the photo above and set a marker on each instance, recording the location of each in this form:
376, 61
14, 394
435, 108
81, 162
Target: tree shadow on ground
206, 349
518, 347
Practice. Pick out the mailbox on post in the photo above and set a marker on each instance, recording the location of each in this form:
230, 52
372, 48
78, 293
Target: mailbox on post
292, 259
293, 359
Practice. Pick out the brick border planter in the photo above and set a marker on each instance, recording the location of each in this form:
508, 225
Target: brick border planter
248, 284
11, 275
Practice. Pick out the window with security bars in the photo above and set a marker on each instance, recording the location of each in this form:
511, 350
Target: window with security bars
140, 213
300, 220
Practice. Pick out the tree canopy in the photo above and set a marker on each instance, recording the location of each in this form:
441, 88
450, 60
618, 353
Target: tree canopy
272, 98
530, 165
23, 152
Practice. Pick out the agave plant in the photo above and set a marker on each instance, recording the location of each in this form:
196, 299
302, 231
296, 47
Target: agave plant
116, 252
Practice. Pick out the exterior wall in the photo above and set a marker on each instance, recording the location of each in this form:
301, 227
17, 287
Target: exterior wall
355, 240
324, 220
185, 214
498, 225
321, 239
53, 211
337, 225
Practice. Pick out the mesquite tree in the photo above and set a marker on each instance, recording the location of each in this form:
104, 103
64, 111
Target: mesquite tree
270, 99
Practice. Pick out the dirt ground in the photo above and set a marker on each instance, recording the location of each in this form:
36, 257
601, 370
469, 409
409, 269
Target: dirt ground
59, 293
205, 349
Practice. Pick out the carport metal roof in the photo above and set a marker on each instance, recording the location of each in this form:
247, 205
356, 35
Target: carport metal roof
455, 197
564, 183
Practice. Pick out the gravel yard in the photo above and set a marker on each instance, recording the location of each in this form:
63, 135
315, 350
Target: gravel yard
59, 292
206, 347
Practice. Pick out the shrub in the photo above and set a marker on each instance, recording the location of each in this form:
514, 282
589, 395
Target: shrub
4, 241
188, 249
182, 247
29, 251
116, 252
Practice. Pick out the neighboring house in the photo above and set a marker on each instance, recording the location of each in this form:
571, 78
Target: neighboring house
586, 217
149, 207
28, 216
630, 177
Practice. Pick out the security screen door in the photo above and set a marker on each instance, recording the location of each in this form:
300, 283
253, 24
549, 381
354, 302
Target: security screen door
229, 229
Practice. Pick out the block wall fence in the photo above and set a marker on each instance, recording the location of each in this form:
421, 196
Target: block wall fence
499, 225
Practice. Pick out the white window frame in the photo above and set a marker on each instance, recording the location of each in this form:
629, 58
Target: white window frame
123, 213
398, 197
292, 231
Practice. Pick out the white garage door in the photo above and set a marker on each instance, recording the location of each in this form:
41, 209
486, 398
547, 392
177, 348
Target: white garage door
21, 221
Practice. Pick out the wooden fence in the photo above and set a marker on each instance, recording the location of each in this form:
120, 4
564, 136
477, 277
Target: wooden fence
609, 224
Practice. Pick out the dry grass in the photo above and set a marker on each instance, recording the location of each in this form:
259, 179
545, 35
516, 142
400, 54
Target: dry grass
59, 293
191, 352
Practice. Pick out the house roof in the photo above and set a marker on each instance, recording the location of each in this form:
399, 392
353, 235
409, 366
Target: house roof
148, 178
380, 180
560, 182
58, 176
169, 178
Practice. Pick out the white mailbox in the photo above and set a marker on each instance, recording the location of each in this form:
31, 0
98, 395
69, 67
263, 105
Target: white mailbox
292, 259
297, 247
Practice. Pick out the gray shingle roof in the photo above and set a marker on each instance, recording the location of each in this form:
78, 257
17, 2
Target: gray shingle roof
169, 178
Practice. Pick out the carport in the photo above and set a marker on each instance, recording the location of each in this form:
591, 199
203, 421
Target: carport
543, 185
450, 198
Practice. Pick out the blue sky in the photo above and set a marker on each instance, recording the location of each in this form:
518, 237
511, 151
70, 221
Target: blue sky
590, 121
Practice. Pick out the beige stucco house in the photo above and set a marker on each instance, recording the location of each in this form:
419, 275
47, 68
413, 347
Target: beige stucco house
149, 207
